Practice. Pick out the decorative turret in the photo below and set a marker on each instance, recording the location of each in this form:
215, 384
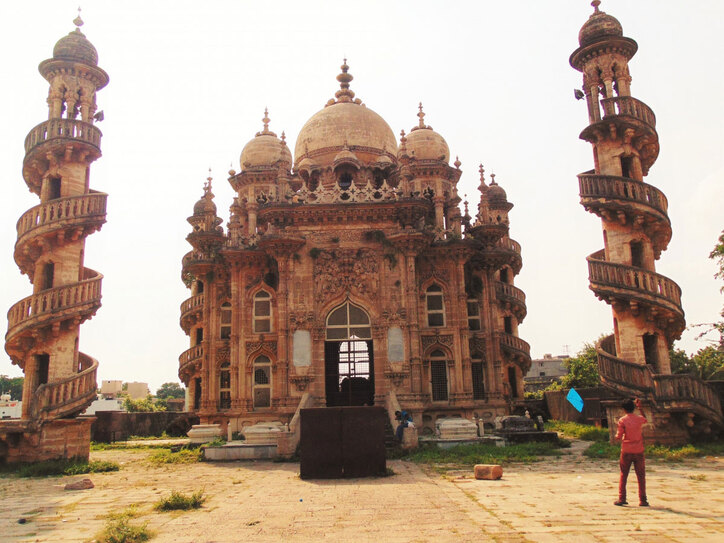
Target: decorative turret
43, 328
647, 313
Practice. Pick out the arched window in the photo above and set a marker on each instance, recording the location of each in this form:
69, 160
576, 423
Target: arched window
435, 306
438, 376
225, 321
348, 321
478, 376
224, 386
262, 312
262, 381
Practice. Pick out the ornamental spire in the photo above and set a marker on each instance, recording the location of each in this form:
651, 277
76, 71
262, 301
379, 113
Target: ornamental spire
344, 94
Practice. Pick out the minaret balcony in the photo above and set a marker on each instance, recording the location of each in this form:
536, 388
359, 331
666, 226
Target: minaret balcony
191, 311
68, 397
69, 218
197, 262
630, 107
637, 287
671, 393
517, 349
512, 297
189, 361
63, 129
77, 301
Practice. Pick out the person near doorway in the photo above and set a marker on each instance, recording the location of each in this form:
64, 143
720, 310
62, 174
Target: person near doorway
404, 420
632, 451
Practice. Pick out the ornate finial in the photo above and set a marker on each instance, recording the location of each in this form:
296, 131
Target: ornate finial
465, 203
421, 115
402, 135
457, 162
284, 138
482, 186
266, 120
207, 185
492, 179
344, 94
595, 5
78, 22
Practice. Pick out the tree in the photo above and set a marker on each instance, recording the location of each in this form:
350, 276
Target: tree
582, 370
717, 255
170, 390
12, 386
142, 405
707, 364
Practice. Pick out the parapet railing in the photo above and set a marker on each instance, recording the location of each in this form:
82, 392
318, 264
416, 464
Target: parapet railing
504, 290
54, 302
69, 396
192, 303
62, 210
629, 106
190, 356
634, 279
510, 341
63, 128
337, 194
593, 185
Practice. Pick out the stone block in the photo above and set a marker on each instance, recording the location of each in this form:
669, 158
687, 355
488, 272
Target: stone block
489, 472
81, 484
457, 429
263, 433
203, 433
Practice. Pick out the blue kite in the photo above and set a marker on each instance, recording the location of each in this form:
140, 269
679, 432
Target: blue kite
575, 399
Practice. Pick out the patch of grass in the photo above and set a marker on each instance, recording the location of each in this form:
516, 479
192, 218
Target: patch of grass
218, 442
119, 529
181, 502
586, 432
183, 456
51, 468
163, 435
121, 445
600, 449
698, 477
469, 455
659, 452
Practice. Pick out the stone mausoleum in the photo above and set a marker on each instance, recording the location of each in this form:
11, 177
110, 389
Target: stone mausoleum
348, 275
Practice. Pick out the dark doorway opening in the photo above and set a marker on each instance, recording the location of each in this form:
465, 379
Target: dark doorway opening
43, 368
650, 349
349, 372
513, 381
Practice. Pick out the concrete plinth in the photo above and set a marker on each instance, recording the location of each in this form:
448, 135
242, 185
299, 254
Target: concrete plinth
457, 429
57, 439
203, 433
263, 433
239, 450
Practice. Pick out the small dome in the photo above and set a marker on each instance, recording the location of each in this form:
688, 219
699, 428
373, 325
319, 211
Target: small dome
495, 192
345, 156
423, 143
265, 149
76, 47
205, 206
599, 26
345, 122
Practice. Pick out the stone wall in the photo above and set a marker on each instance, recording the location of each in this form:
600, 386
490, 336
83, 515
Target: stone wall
57, 439
119, 425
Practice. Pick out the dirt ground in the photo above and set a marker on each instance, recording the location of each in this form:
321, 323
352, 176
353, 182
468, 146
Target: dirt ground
558, 500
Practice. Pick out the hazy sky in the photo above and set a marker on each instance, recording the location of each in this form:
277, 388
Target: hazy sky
189, 82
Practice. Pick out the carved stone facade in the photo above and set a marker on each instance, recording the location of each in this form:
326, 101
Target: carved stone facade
43, 329
349, 272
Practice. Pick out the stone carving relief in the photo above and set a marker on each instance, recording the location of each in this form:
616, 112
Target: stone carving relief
253, 346
428, 341
346, 270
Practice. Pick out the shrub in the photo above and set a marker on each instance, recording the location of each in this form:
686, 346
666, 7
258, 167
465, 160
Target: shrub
484, 454
65, 467
601, 449
184, 456
181, 502
585, 432
120, 530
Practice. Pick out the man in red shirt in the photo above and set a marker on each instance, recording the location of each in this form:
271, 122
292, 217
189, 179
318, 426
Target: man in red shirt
632, 451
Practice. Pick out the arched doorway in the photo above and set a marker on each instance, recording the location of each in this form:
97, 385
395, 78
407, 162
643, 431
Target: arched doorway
348, 357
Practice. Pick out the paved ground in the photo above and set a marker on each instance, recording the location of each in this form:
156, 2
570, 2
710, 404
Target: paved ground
559, 500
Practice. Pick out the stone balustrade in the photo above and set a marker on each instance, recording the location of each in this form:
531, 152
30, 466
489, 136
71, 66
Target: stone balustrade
191, 304
621, 188
511, 342
675, 388
62, 211
189, 356
634, 279
510, 244
629, 106
73, 129
504, 290
337, 195
54, 302
68, 396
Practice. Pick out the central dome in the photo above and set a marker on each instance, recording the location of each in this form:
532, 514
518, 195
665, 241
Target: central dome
345, 122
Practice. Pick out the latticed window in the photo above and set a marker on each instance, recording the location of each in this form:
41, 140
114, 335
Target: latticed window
225, 318
224, 386
262, 381
435, 306
478, 377
473, 314
438, 376
348, 321
262, 312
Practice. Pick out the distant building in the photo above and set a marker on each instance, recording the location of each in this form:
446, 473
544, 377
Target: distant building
105, 404
137, 391
10, 409
111, 389
543, 371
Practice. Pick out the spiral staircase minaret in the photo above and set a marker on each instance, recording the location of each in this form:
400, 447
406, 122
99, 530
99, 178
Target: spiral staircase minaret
43, 328
647, 311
